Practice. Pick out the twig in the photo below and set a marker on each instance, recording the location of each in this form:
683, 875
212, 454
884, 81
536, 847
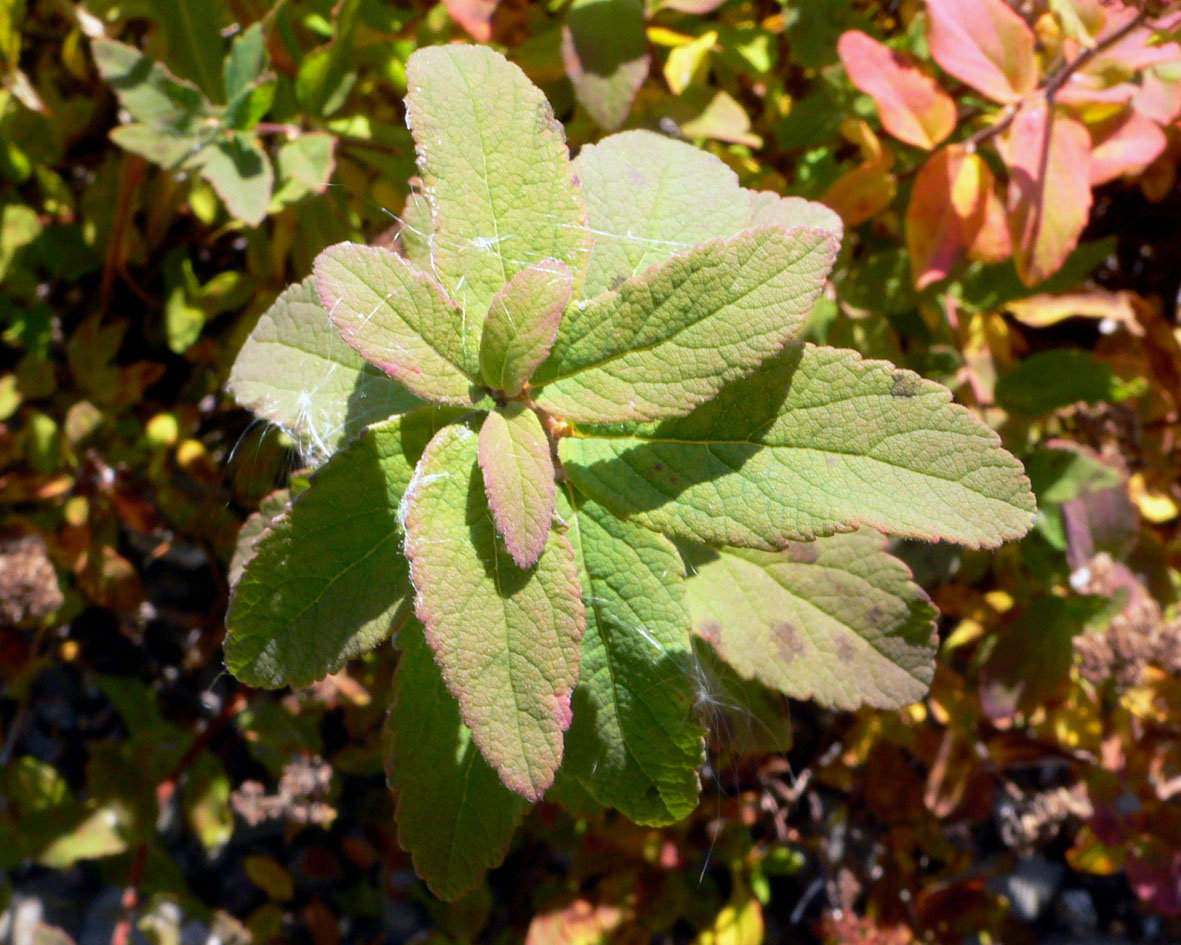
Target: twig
1055, 82
134, 168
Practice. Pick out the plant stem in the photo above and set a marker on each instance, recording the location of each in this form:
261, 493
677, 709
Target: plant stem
1055, 82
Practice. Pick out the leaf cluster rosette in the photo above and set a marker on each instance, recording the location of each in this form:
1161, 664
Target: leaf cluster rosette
572, 427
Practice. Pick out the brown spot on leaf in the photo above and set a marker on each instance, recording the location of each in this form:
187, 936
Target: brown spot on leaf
905, 384
803, 551
788, 642
875, 614
710, 631
845, 652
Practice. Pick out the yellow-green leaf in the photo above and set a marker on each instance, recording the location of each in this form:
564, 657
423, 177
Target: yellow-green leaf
495, 169
519, 479
522, 323
505, 638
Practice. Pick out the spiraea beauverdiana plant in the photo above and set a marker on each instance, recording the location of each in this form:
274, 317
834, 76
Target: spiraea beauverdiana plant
570, 429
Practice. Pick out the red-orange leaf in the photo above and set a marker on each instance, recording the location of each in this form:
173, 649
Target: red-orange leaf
1125, 146
1049, 158
949, 214
984, 44
991, 243
912, 106
861, 193
475, 16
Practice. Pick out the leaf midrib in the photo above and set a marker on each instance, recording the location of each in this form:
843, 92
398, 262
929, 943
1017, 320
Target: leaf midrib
671, 338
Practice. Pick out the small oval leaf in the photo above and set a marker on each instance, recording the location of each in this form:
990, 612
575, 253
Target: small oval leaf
522, 324
505, 638
519, 479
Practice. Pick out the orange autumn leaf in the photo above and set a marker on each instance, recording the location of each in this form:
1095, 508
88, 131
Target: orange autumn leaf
913, 108
1049, 157
984, 44
953, 209
475, 16
992, 243
1124, 147
1042, 311
861, 193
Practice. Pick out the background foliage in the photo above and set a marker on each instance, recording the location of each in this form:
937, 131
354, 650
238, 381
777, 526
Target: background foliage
145, 226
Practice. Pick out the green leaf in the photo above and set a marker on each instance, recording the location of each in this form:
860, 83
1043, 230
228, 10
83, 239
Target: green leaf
169, 149
241, 173
522, 324
150, 93
102, 833
635, 743
505, 638
1060, 475
649, 196
306, 165
605, 53
327, 75
417, 231
184, 319
400, 320
12, 18
295, 371
255, 526
244, 65
569, 794
670, 339
1048, 380
986, 288
454, 816
246, 111
327, 578
20, 226
192, 33
518, 473
837, 620
1030, 659
769, 207
495, 167
817, 441
206, 803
